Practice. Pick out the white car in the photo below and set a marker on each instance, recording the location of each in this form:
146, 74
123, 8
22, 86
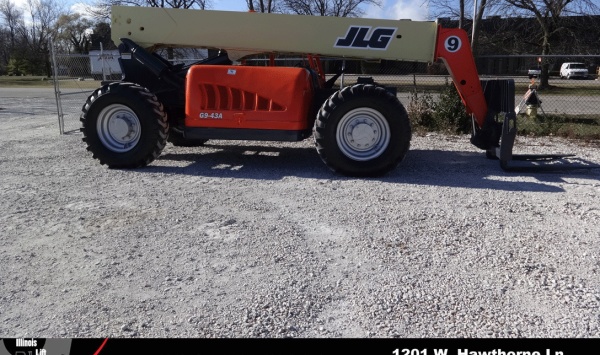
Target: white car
573, 70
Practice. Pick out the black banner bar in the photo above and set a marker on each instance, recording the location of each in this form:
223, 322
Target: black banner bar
185, 346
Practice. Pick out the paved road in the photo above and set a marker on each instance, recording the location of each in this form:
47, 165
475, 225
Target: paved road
17, 102
24, 102
7, 93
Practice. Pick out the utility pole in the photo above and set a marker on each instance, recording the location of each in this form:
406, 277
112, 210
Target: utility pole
474, 22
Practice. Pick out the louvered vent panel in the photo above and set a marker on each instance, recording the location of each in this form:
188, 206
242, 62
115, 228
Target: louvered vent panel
218, 97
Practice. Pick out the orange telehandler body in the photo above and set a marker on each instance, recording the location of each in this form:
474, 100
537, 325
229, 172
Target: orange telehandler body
359, 130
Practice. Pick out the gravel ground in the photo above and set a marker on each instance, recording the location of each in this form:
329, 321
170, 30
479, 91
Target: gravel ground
248, 239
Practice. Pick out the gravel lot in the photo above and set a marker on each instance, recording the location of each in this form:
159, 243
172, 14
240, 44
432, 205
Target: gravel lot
249, 239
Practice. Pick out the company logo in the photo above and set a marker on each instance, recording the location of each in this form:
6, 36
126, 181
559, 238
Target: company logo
22, 346
362, 37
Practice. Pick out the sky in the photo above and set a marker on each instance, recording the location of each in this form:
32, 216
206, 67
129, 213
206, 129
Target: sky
416, 10
391, 9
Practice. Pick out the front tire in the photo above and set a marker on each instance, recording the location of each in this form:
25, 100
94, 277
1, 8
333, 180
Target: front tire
124, 125
362, 130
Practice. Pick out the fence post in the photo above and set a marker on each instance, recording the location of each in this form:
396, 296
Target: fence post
61, 123
103, 60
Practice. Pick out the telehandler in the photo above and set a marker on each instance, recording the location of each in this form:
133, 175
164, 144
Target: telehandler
358, 130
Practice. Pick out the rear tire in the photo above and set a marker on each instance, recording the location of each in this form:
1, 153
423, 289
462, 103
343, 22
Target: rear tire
362, 130
124, 125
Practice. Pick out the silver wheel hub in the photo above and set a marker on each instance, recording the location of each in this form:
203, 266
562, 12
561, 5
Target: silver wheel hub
363, 134
118, 128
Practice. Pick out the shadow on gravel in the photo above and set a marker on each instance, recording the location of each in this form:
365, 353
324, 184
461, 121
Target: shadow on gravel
474, 170
423, 167
246, 162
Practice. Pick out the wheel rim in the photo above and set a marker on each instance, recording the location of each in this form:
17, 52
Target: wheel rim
363, 134
119, 128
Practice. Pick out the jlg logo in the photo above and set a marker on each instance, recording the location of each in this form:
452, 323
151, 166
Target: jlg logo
361, 37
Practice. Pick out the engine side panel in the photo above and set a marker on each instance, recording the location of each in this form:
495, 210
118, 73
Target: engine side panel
271, 98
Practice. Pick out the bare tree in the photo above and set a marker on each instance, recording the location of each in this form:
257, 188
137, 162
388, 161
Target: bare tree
448, 8
476, 30
264, 6
100, 37
178, 4
459, 10
13, 49
100, 9
338, 8
461, 14
74, 31
548, 15
38, 33
13, 19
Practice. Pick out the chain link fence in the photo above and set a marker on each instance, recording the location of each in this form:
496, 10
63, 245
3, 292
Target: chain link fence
76, 76
566, 101
568, 106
